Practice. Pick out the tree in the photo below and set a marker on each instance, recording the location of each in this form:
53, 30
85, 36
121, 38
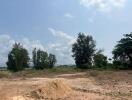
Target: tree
34, 54
18, 58
42, 60
83, 50
123, 50
52, 60
100, 60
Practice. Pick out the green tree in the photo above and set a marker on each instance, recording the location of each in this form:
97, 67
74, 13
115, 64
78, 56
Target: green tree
123, 50
52, 60
18, 58
83, 50
34, 54
42, 60
100, 60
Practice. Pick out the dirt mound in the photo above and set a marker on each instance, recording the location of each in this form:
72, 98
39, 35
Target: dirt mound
54, 89
18, 98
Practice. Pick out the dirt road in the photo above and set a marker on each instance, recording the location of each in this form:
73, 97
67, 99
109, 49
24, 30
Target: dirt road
92, 85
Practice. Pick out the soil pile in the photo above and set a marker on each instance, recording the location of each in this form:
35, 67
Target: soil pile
55, 89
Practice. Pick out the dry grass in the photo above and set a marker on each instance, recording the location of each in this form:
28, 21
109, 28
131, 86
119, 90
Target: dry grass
36, 73
5, 74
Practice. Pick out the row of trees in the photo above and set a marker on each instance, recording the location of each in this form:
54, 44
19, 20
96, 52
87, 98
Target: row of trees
42, 60
18, 59
86, 55
84, 51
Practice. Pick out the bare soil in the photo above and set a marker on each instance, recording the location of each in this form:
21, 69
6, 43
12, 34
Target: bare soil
89, 85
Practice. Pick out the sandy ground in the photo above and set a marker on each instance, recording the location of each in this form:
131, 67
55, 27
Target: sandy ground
96, 85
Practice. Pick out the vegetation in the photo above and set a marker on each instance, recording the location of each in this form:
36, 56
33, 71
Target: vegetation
18, 58
123, 52
85, 55
28, 73
52, 60
42, 60
83, 51
100, 60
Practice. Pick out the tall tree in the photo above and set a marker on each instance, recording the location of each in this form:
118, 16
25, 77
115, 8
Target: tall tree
83, 50
18, 58
34, 57
44, 59
123, 50
52, 60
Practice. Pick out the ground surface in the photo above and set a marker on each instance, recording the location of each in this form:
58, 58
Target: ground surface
88, 85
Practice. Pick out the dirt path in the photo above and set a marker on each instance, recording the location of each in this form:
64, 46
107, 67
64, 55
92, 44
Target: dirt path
85, 86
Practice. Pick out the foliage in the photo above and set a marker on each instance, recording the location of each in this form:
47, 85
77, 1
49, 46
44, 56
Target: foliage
83, 50
18, 58
100, 60
123, 50
34, 54
52, 60
42, 60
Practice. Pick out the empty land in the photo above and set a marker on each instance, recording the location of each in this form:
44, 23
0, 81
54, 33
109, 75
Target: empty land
77, 85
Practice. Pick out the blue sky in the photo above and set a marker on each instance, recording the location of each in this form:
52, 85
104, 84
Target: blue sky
53, 25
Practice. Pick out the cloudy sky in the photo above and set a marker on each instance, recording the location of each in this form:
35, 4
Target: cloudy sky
53, 25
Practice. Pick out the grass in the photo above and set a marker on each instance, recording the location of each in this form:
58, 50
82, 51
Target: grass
38, 73
5, 74
28, 73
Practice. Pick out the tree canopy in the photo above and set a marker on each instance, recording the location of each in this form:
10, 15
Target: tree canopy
83, 50
41, 59
123, 50
18, 58
52, 60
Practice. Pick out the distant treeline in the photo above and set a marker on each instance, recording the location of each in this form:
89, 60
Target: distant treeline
18, 58
85, 54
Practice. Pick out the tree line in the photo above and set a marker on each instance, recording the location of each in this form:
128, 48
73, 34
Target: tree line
85, 54
18, 59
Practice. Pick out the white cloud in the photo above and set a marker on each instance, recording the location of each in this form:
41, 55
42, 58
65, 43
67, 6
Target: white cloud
5, 45
104, 5
68, 15
4, 38
29, 44
62, 47
118, 3
64, 37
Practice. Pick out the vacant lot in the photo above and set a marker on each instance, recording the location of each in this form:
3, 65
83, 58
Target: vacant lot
66, 85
